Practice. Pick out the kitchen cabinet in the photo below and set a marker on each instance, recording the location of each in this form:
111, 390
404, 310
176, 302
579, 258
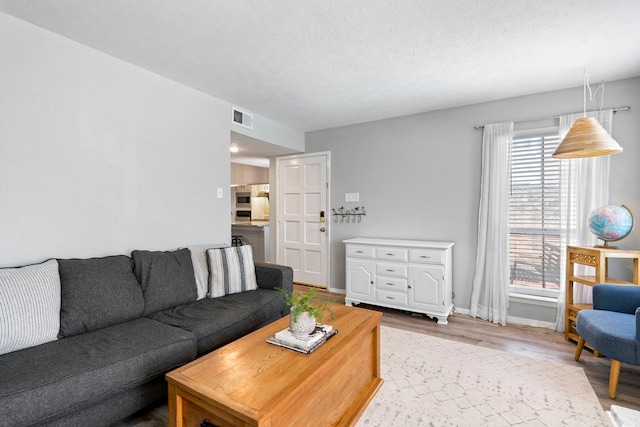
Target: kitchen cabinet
248, 175
260, 202
410, 275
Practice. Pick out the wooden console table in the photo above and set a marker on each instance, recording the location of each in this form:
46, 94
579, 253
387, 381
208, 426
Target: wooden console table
598, 258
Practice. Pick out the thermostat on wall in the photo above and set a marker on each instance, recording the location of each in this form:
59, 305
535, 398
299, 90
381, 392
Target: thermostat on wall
351, 197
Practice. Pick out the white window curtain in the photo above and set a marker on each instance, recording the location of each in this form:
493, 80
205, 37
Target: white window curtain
490, 292
585, 186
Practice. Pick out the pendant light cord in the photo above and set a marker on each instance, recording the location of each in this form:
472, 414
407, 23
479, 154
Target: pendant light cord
591, 94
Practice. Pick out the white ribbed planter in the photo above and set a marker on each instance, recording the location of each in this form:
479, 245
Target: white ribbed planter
304, 326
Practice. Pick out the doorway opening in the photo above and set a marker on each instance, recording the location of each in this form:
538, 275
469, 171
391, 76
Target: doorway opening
250, 192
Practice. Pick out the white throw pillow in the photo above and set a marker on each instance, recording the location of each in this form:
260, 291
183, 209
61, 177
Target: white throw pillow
201, 267
29, 306
231, 271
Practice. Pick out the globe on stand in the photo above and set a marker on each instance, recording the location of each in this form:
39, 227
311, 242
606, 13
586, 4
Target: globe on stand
610, 224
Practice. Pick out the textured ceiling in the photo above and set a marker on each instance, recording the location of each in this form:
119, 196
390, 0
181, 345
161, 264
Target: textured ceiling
320, 64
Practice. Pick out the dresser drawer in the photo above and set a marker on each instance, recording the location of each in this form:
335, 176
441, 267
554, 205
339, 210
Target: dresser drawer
395, 254
390, 297
360, 251
391, 284
428, 256
392, 270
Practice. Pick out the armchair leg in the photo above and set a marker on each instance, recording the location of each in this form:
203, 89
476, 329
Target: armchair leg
613, 378
579, 349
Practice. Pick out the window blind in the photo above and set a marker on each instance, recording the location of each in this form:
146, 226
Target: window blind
534, 213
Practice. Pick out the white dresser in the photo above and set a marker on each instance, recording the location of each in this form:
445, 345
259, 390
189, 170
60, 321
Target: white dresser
411, 275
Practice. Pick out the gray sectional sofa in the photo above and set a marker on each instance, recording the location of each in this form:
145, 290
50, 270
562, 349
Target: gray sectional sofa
124, 323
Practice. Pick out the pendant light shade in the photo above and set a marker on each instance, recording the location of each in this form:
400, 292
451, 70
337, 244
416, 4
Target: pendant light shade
586, 138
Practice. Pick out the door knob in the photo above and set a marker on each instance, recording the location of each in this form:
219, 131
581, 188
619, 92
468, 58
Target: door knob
323, 229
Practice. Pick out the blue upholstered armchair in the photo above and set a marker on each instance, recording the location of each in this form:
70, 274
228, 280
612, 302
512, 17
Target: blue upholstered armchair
612, 327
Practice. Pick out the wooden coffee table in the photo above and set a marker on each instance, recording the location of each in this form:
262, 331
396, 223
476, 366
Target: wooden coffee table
253, 383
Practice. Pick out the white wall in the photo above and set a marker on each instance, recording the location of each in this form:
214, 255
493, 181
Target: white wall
419, 176
273, 132
100, 157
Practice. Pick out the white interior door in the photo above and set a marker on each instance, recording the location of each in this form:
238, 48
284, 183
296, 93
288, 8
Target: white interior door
302, 218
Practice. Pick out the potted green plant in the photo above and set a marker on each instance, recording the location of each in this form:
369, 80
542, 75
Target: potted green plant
306, 310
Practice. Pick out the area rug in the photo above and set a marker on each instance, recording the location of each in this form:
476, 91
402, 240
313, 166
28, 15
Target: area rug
434, 382
430, 381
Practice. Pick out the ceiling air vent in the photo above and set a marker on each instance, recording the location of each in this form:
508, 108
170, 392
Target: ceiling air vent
242, 118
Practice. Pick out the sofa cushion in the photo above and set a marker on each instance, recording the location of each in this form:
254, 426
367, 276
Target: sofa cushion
611, 333
41, 383
231, 270
96, 293
29, 306
218, 321
201, 266
167, 278
113, 410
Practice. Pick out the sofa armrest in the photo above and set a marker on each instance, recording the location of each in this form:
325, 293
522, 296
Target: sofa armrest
271, 276
638, 333
620, 298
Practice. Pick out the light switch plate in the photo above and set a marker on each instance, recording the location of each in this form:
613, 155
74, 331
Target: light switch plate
219, 193
351, 197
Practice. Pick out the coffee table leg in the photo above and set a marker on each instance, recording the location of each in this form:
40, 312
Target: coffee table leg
175, 407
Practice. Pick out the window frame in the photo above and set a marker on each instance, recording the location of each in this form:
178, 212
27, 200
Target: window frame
527, 291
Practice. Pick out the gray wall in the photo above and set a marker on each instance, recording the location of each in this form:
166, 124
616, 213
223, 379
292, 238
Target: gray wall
99, 157
419, 176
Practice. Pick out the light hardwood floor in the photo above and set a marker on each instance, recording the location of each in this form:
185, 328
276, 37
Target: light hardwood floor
530, 341
518, 339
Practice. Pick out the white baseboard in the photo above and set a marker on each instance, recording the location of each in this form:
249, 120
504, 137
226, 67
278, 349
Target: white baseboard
517, 320
530, 322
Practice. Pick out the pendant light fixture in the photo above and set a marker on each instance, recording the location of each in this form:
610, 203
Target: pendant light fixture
587, 137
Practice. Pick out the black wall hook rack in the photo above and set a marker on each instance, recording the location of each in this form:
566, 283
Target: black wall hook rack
349, 215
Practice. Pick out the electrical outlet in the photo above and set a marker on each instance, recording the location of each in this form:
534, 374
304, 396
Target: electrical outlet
351, 197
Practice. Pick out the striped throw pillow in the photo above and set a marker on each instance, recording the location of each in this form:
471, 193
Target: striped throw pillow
231, 271
29, 306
